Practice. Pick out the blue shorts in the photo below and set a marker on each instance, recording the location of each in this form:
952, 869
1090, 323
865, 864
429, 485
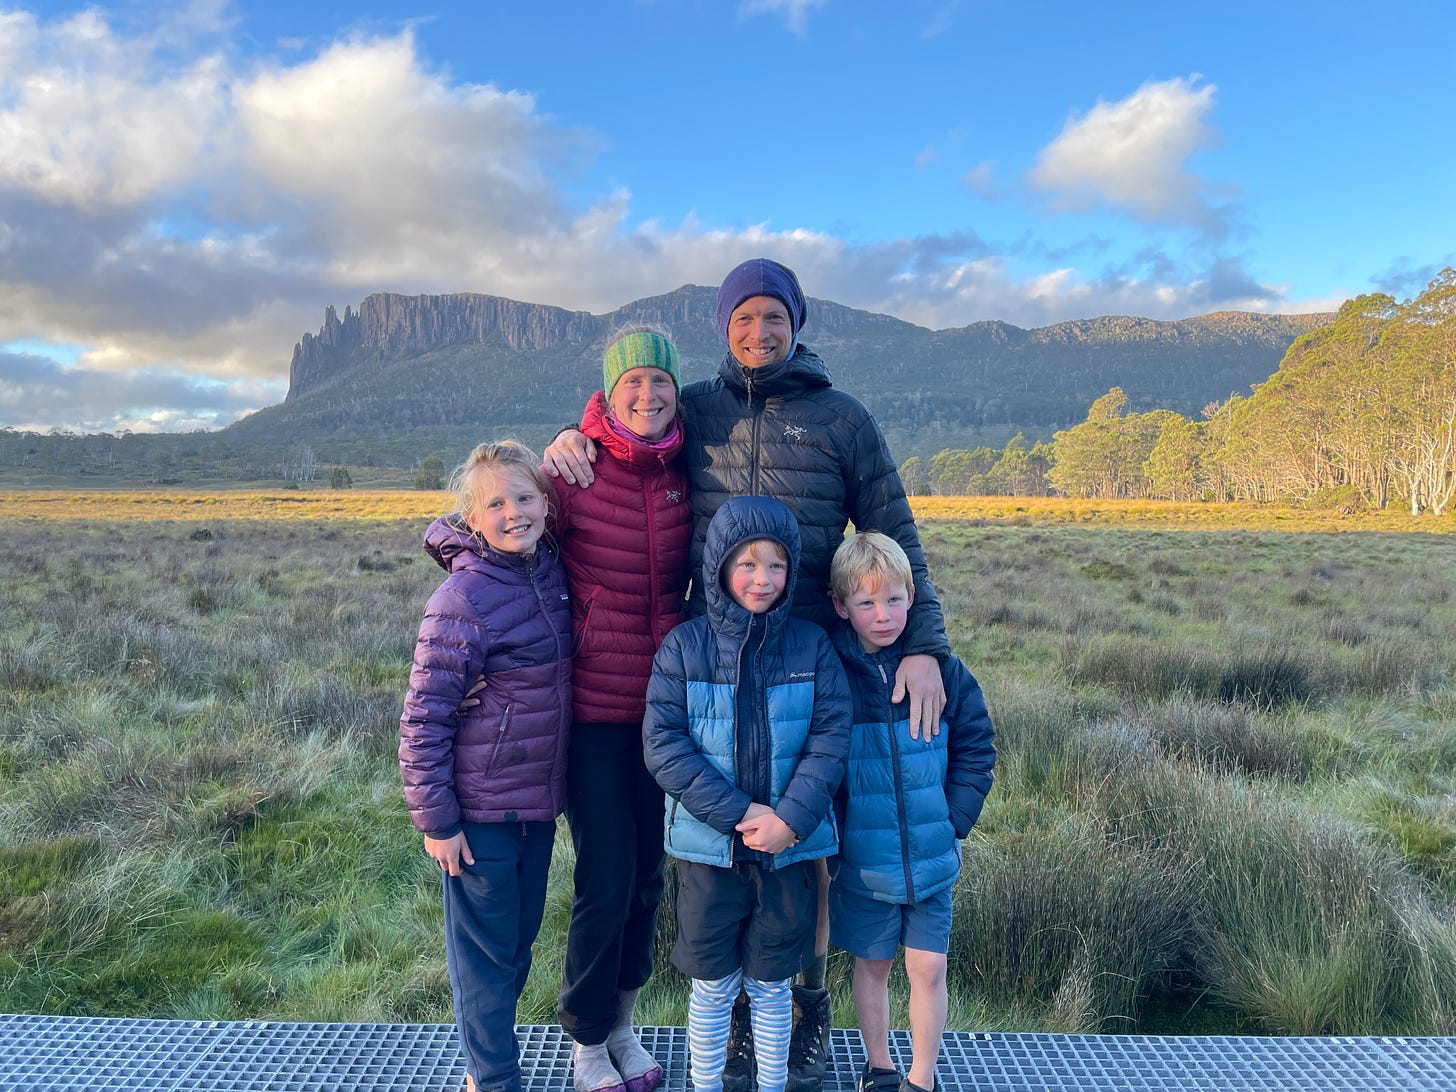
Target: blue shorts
871, 929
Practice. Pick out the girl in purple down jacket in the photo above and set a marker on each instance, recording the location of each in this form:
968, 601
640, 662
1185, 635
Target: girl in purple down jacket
625, 542
484, 785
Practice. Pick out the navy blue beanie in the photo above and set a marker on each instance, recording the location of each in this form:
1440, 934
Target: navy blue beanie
761, 277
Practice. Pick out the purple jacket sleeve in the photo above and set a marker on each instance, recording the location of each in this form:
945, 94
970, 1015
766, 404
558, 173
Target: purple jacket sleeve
449, 657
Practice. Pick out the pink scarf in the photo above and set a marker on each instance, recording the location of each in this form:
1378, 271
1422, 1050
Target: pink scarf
668, 439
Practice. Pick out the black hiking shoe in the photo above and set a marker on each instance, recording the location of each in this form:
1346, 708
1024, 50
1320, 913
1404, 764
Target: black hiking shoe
809, 1043
740, 1072
878, 1080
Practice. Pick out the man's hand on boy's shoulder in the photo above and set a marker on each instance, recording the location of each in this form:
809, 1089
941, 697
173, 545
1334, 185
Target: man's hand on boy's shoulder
918, 676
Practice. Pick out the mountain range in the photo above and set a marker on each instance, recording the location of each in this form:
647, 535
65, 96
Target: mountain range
404, 376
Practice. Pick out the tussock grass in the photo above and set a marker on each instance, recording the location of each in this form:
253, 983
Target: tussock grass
1067, 921
1223, 800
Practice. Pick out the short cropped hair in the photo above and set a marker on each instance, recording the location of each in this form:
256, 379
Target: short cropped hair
868, 557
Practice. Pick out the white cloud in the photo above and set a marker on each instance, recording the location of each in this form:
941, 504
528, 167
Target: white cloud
91, 122
401, 174
1134, 156
794, 12
36, 392
940, 20
990, 287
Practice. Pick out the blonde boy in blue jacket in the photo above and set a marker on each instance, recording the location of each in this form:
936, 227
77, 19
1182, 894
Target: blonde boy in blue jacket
905, 804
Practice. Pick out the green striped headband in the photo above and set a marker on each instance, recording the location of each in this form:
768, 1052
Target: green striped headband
639, 349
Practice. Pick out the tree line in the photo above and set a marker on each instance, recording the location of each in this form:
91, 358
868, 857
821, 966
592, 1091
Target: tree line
1362, 411
1016, 470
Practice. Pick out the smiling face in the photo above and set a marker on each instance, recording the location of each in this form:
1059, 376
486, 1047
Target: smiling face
509, 512
756, 575
877, 610
644, 400
760, 331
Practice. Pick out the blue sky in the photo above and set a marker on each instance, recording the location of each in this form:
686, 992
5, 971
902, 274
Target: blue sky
185, 187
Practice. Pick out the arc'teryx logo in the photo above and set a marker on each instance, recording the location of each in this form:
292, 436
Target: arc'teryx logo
797, 433
801, 674
674, 495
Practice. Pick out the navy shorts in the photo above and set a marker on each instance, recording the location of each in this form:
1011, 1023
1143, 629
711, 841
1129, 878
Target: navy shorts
745, 917
871, 929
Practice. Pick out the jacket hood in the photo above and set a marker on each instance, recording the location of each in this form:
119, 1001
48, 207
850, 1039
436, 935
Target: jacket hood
801, 371
454, 546
740, 520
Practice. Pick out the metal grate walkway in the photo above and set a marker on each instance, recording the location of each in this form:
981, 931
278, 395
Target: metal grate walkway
114, 1055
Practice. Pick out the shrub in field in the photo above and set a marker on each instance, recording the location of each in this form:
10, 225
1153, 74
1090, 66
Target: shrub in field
1062, 920
1297, 920
1045, 746
1269, 676
1388, 666
1227, 736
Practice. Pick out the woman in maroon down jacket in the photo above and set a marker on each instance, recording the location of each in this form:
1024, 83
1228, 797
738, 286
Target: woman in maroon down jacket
625, 541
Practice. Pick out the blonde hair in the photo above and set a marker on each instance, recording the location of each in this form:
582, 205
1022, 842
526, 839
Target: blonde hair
868, 557
487, 462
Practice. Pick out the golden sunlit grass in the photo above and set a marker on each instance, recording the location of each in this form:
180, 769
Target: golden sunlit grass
1172, 515
277, 504
359, 504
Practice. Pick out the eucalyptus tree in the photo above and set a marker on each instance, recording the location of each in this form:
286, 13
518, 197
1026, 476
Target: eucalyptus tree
1422, 342
1177, 467
1104, 456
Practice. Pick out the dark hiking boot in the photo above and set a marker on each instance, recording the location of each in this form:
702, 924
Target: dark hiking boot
740, 1073
809, 1043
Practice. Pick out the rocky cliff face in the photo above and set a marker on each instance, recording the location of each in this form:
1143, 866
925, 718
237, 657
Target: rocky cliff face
391, 326
394, 326
406, 374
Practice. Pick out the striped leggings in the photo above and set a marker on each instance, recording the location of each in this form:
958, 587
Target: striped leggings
710, 1009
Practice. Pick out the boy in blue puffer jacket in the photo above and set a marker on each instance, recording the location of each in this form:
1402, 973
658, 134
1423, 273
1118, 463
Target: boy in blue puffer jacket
746, 730
904, 806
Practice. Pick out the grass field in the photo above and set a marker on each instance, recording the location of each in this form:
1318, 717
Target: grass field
317, 502
1225, 800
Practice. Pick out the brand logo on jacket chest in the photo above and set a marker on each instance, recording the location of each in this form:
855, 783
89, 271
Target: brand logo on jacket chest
797, 434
